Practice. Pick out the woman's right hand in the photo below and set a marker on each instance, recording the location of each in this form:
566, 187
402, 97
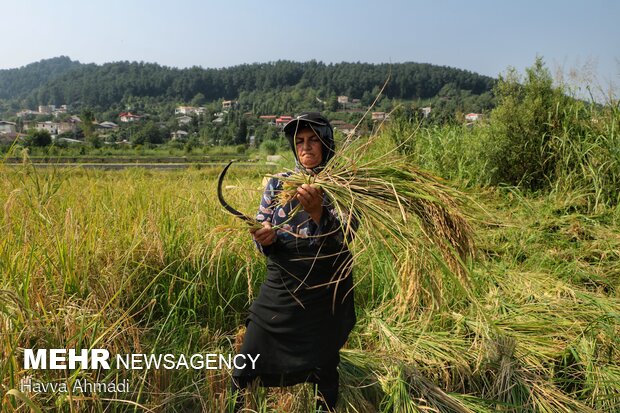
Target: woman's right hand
264, 236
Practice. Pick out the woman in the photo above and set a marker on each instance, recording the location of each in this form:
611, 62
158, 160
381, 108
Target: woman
304, 311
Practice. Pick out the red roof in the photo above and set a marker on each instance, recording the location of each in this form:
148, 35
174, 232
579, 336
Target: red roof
129, 115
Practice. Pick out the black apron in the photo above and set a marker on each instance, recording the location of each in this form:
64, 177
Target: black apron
303, 314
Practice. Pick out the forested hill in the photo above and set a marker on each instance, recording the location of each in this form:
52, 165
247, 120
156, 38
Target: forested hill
62, 81
18, 83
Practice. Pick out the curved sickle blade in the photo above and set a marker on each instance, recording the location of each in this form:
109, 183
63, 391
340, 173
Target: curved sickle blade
228, 208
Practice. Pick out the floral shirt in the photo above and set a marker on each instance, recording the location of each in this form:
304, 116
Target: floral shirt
300, 225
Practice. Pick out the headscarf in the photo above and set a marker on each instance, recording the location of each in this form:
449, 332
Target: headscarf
321, 126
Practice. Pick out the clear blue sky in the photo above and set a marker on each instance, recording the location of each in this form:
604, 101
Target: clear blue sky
484, 36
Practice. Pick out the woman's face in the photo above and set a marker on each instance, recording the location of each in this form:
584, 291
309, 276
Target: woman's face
309, 148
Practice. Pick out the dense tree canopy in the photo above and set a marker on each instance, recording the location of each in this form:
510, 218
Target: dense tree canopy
16, 83
62, 81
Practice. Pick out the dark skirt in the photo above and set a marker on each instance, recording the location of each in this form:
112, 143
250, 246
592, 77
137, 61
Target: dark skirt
303, 314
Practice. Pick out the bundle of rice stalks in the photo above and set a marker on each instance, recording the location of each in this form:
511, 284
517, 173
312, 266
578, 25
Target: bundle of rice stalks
396, 203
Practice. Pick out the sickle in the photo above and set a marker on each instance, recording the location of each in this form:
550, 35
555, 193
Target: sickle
228, 208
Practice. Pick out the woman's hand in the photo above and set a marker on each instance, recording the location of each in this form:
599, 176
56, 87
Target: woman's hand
264, 236
311, 199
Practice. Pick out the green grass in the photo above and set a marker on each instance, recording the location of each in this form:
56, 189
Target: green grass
146, 261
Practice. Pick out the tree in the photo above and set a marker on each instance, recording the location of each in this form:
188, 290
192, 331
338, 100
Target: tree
88, 117
198, 99
332, 103
39, 137
523, 123
242, 132
149, 133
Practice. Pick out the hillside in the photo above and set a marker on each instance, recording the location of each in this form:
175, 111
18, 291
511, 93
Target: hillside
17, 83
63, 81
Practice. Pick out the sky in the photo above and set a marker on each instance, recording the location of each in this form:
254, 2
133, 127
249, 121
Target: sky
575, 37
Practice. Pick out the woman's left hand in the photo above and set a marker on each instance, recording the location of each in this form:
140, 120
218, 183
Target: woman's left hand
311, 199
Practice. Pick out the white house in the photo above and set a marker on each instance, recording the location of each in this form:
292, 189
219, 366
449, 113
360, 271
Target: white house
229, 104
189, 110
179, 135
47, 109
51, 127
473, 117
347, 128
184, 120
7, 127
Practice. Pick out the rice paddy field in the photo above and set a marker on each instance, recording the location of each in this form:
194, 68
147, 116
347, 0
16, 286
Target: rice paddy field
146, 261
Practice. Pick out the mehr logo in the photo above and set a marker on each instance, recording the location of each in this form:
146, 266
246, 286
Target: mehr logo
56, 359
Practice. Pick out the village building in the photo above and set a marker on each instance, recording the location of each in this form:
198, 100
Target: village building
189, 110
184, 120
283, 120
127, 117
7, 127
346, 128
179, 135
473, 117
26, 112
8, 132
46, 109
379, 116
107, 125
229, 104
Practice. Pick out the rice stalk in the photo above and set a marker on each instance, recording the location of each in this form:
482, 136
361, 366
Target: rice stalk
398, 204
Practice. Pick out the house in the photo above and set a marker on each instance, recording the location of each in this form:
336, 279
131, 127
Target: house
69, 140
343, 100
426, 111
7, 132
269, 118
46, 109
107, 125
283, 120
189, 110
229, 104
26, 112
345, 128
379, 116
180, 135
70, 125
473, 117
60, 111
129, 117
184, 120
51, 127
7, 127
